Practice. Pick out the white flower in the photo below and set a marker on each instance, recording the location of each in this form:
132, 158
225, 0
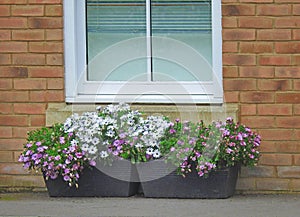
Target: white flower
138, 145
103, 154
95, 140
110, 133
149, 151
156, 153
85, 147
92, 150
74, 142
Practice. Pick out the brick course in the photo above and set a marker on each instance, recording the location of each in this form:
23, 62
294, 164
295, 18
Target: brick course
261, 74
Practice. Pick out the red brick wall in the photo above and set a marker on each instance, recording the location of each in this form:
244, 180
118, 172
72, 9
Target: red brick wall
261, 73
261, 58
31, 70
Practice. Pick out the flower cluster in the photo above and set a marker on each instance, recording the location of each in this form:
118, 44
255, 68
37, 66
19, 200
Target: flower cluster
208, 147
55, 152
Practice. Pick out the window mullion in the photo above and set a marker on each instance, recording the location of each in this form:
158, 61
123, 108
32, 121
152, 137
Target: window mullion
149, 41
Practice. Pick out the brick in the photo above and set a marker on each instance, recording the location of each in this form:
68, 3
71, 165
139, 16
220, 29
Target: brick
239, 84
5, 84
13, 72
13, 120
55, 84
288, 97
274, 10
256, 72
296, 34
296, 85
14, 96
6, 156
230, 47
229, 22
54, 10
289, 147
274, 109
258, 47
296, 109
54, 34
288, 171
297, 159
274, 60
230, 71
273, 184
276, 159
11, 144
287, 22
4, 10
13, 2
46, 72
47, 96
288, 122
13, 47
5, 132
4, 35
256, 1
248, 109
12, 169
277, 134
245, 184
13, 22
45, 1
5, 59
296, 60
238, 34
275, 85
29, 108
231, 97
28, 35
268, 147
258, 171
37, 120
238, 10
287, 72
256, 22
239, 59
20, 132
29, 59
6, 108
296, 9
45, 22
30, 84
22, 181
46, 47
274, 34
257, 97
295, 184
258, 121
27, 10
287, 47
286, 1
54, 59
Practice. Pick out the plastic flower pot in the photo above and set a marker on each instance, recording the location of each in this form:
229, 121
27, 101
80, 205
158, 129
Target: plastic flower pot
98, 182
160, 182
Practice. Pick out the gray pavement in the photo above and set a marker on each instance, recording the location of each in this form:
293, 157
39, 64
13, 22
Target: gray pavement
40, 204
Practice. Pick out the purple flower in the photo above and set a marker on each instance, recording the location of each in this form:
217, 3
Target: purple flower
79, 155
34, 156
172, 149
179, 142
62, 140
40, 149
66, 178
67, 170
38, 143
27, 165
21, 158
172, 131
177, 120
67, 161
92, 163
72, 148
53, 175
57, 158
28, 145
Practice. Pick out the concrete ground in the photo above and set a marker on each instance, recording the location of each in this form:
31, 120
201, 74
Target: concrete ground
40, 204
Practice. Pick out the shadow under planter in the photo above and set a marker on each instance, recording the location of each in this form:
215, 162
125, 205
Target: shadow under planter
220, 183
100, 181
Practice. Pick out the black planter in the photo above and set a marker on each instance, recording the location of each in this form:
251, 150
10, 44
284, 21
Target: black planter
96, 182
219, 184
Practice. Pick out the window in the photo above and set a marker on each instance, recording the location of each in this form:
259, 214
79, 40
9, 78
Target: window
156, 51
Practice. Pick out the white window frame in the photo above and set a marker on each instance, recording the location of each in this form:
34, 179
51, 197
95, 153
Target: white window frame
79, 90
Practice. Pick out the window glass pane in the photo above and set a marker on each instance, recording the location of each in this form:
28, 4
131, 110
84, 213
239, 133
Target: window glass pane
182, 40
116, 44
